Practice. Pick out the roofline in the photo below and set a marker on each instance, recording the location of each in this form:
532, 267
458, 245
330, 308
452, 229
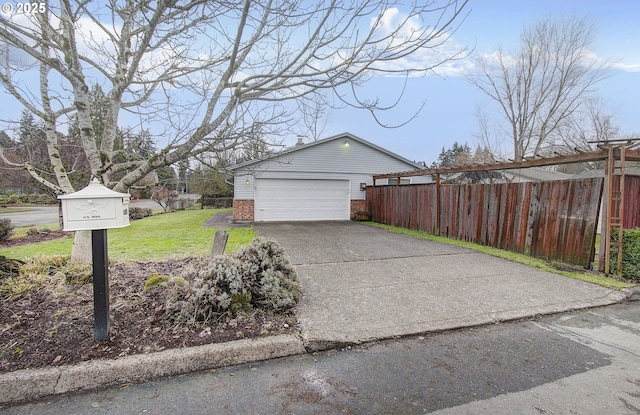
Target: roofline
325, 140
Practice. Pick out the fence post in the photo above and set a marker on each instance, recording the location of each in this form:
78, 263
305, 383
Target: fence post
437, 227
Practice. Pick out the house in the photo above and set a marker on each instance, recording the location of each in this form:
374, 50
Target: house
534, 174
528, 174
321, 180
587, 174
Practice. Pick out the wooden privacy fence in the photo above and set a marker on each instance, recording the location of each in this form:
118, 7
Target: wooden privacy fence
631, 215
553, 220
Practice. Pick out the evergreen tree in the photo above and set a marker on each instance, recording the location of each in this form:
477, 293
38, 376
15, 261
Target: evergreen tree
456, 155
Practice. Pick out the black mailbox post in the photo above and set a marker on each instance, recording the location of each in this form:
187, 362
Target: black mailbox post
97, 208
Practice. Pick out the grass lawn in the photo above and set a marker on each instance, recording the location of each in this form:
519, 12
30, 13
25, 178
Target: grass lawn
171, 235
512, 256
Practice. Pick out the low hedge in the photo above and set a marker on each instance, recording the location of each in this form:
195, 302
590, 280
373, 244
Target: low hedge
630, 253
136, 213
38, 199
217, 202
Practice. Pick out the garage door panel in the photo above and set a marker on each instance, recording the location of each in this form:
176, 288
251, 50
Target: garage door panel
292, 200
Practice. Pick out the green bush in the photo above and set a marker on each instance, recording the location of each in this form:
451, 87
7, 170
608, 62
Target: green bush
258, 276
630, 253
6, 229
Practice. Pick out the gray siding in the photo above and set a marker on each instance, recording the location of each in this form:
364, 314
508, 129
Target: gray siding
329, 160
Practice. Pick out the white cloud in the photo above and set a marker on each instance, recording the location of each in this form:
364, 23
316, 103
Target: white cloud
395, 29
626, 67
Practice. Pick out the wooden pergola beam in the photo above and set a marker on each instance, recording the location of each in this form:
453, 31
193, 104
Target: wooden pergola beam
598, 155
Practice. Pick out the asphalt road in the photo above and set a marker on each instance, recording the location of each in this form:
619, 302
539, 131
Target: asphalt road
44, 215
31, 216
578, 363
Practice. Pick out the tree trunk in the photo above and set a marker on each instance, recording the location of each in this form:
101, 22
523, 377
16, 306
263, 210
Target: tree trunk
81, 251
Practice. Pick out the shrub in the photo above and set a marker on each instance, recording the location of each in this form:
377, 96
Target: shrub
257, 276
58, 267
45, 199
362, 215
40, 199
166, 198
6, 229
136, 213
36, 231
9, 267
630, 253
75, 273
273, 281
39, 272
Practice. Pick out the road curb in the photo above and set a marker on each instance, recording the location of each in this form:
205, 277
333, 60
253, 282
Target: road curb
632, 294
29, 384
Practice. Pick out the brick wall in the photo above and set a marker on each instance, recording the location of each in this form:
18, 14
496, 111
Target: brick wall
357, 205
242, 210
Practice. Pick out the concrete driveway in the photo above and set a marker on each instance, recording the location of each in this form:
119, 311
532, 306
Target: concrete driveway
362, 283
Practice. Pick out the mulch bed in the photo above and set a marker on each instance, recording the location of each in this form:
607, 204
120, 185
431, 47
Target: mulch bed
54, 325
36, 237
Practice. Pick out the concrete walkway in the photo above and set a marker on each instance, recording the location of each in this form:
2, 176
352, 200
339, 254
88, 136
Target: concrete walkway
362, 283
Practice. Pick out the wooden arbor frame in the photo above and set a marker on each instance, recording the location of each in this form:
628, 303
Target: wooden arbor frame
614, 152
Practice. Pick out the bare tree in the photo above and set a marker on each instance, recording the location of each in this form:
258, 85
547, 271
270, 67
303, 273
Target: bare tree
540, 87
204, 72
314, 116
166, 198
488, 135
591, 123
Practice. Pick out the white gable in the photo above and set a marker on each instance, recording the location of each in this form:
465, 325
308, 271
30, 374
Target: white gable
340, 157
333, 156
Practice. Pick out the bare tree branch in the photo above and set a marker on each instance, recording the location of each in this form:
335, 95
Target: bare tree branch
212, 75
542, 85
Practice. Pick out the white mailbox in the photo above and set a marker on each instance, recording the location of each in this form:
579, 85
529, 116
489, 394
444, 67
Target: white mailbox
95, 207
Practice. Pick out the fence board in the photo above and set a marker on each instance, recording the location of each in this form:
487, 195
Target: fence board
552, 220
632, 202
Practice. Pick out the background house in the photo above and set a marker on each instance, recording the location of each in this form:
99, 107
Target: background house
321, 180
528, 174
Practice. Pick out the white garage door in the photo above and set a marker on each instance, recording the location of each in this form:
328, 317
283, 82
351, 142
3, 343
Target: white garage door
294, 200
